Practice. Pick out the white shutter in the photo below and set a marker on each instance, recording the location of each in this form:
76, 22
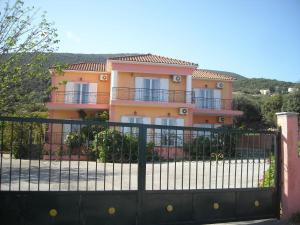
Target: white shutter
217, 99
158, 132
69, 92
125, 119
179, 138
146, 120
164, 85
92, 96
138, 86
66, 130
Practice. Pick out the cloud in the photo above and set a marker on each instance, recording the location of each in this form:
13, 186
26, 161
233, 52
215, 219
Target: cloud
73, 37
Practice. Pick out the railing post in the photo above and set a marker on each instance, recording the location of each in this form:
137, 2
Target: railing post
141, 169
290, 166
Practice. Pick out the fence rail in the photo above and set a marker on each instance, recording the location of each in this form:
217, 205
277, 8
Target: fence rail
77, 97
38, 155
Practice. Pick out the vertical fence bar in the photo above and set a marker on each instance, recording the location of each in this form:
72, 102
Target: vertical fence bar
277, 174
30, 152
141, 168
60, 154
1, 153
11, 150
20, 146
50, 156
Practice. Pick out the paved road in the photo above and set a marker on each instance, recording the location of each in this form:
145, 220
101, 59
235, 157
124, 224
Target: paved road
82, 175
258, 222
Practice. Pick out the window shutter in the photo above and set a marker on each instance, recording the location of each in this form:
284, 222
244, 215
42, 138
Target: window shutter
158, 132
69, 92
179, 138
164, 85
139, 85
92, 93
146, 120
125, 119
217, 99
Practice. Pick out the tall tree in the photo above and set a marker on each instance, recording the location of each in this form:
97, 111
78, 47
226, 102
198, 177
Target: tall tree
26, 41
252, 117
270, 106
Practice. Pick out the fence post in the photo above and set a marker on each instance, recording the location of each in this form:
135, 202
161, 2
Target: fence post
290, 166
141, 169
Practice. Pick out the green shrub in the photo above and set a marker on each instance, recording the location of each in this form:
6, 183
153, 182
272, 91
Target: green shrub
269, 175
113, 146
75, 142
202, 147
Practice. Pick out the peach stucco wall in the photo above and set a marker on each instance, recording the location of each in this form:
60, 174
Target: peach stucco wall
210, 119
153, 113
151, 68
81, 76
226, 92
126, 79
290, 190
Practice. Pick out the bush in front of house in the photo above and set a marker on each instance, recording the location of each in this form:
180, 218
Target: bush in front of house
114, 146
210, 147
75, 142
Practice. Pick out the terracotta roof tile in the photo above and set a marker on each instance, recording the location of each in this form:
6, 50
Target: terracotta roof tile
212, 75
149, 58
86, 66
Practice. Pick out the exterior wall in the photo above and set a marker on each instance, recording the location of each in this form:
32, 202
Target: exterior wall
211, 120
226, 91
150, 68
127, 79
153, 113
290, 176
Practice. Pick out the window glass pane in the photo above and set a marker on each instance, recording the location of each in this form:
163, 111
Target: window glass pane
85, 93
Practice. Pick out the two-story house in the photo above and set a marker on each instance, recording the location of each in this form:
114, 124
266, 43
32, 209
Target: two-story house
146, 89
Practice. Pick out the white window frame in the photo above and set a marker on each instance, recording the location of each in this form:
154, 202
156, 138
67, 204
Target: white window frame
169, 137
211, 98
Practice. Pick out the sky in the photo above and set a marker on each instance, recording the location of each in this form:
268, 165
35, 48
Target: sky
254, 38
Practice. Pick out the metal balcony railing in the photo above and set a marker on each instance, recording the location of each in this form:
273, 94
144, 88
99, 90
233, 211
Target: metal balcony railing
155, 95
212, 103
76, 97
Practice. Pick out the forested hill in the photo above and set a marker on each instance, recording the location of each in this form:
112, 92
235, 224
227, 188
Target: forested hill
242, 84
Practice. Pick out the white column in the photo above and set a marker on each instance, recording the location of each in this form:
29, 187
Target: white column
113, 84
188, 88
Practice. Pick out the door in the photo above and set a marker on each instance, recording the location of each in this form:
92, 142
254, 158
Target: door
151, 89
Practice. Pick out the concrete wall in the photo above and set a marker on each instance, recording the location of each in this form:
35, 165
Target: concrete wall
290, 190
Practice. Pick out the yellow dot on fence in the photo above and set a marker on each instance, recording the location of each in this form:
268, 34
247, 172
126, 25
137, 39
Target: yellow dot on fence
111, 210
169, 208
53, 212
256, 203
216, 206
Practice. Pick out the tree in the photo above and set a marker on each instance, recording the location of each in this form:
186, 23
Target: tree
26, 41
292, 103
252, 117
270, 106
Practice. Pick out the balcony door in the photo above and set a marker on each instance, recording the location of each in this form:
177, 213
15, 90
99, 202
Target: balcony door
80, 93
207, 98
151, 89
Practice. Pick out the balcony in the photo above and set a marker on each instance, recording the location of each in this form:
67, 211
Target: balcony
213, 103
148, 96
78, 100
214, 106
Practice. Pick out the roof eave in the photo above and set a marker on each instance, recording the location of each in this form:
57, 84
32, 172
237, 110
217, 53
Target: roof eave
154, 64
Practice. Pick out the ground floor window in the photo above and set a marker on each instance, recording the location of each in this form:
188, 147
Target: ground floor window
169, 137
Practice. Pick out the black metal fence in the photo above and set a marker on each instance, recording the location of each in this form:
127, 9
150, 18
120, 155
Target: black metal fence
70, 155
